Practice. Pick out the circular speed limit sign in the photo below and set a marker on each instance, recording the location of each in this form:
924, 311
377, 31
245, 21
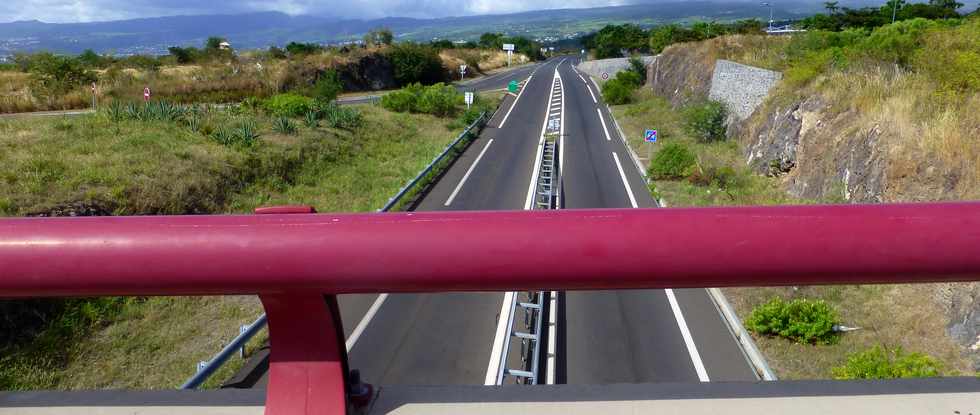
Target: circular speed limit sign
605, 76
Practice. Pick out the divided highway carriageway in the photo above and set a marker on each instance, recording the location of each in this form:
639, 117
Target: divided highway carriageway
599, 337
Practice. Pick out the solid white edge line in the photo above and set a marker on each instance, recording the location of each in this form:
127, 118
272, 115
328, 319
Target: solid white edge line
514, 105
497, 352
603, 122
629, 190
594, 101
356, 334
467, 175
692, 349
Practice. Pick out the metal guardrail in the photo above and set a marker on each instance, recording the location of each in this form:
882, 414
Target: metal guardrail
206, 369
466, 134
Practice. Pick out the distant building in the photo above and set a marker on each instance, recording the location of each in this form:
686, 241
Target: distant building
224, 46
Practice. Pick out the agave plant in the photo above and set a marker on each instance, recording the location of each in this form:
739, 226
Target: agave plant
134, 112
247, 132
193, 123
312, 119
283, 125
114, 111
224, 136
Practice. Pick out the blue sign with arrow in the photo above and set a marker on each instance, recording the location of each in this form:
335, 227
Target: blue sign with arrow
650, 136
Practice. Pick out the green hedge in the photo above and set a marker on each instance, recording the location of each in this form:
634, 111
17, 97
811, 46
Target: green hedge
439, 99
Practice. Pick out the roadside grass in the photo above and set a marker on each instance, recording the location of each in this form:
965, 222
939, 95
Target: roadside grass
649, 111
905, 316
156, 167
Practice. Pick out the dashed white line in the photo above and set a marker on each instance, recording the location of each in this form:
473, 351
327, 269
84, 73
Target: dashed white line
603, 122
692, 349
354, 335
467, 175
626, 183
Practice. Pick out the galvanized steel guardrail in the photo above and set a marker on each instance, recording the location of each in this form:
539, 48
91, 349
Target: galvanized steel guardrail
208, 368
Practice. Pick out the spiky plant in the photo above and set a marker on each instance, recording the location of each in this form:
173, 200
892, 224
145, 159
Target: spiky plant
247, 132
312, 119
283, 125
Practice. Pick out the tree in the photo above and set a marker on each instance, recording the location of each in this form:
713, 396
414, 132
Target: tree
831, 6
492, 40
183, 55
91, 59
214, 43
57, 75
416, 63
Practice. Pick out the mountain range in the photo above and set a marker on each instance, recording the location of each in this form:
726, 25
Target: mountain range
263, 29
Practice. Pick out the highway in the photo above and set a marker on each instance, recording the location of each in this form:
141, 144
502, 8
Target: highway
603, 337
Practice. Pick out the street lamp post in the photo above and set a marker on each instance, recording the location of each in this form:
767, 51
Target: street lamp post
769, 5
894, 10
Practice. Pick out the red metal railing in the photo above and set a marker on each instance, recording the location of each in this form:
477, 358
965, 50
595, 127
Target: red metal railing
297, 263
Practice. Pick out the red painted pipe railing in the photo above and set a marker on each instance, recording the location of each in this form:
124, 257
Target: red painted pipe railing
297, 262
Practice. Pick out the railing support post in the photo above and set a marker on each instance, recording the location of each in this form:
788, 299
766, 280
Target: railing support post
308, 358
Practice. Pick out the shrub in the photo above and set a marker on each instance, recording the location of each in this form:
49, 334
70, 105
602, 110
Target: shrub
416, 63
402, 100
439, 99
706, 121
800, 320
723, 177
879, 363
617, 92
631, 78
952, 57
311, 119
638, 67
53, 76
898, 41
673, 161
247, 133
283, 125
287, 105
328, 86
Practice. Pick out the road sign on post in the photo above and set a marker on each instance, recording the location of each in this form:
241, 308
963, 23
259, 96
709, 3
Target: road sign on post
462, 71
512, 87
605, 76
650, 136
94, 96
146, 94
509, 47
469, 99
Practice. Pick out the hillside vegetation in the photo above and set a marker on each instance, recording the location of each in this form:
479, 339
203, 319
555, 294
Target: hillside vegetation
864, 114
164, 158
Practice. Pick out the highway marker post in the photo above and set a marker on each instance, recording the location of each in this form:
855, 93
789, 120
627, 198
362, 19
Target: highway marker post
468, 97
462, 72
146, 94
94, 96
650, 136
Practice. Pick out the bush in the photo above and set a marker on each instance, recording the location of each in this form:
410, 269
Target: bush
800, 320
898, 41
673, 161
879, 363
617, 92
439, 99
952, 57
402, 100
328, 86
53, 76
630, 78
416, 63
287, 105
706, 122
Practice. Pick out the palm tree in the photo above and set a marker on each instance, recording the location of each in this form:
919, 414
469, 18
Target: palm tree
831, 6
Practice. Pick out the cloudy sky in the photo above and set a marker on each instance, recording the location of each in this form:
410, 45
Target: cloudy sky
97, 10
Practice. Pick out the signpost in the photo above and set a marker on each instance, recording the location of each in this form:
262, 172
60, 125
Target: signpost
605, 76
94, 95
509, 47
462, 71
146, 94
469, 99
650, 136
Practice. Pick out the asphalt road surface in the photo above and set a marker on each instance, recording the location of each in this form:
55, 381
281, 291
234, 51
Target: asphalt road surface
603, 336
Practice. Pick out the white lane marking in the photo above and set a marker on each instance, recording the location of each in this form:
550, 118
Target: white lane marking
552, 337
497, 352
537, 157
514, 105
629, 190
594, 101
583, 79
692, 349
467, 175
603, 122
354, 335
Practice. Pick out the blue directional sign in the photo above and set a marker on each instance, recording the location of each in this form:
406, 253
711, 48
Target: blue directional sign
650, 136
